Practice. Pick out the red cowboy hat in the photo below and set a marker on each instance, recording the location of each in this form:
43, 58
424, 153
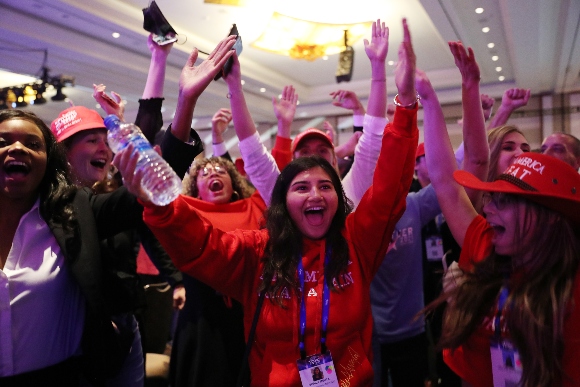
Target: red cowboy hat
539, 178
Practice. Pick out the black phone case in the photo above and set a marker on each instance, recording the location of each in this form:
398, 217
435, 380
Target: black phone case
229, 63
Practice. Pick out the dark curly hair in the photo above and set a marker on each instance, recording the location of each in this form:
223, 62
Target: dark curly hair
239, 183
56, 189
285, 239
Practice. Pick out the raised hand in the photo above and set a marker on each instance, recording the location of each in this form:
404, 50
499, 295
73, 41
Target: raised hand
111, 105
194, 79
234, 77
348, 100
219, 124
465, 62
285, 109
378, 47
424, 87
156, 49
486, 105
515, 98
405, 69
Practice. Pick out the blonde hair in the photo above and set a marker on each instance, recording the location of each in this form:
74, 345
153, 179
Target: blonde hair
495, 141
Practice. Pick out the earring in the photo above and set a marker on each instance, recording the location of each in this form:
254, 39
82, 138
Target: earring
235, 196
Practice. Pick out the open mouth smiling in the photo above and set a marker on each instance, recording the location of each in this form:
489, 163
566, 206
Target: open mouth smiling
13, 168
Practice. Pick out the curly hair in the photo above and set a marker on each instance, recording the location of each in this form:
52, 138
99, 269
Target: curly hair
56, 189
283, 248
495, 141
239, 183
539, 303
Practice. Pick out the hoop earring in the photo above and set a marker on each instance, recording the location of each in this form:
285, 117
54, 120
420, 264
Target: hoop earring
235, 196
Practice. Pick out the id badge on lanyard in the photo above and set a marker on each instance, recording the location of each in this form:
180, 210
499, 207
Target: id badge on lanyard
317, 369
506, 365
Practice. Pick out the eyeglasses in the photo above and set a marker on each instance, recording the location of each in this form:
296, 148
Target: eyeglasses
207, 171
500, 200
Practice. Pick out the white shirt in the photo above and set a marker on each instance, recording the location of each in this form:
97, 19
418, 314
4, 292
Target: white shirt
263, 172
42, 310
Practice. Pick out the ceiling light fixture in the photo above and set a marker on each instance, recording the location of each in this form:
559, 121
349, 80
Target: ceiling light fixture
498, 69
262, 89
116, 35
485, 30
490, 45
303, 39
501, 78
479, 10
495, 58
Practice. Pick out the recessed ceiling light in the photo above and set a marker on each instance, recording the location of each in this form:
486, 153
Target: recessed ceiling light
479, 10
262, 89
297, 102
116, 35
98, 106
279, 96
498, 69
495, 58
490, 45
501, 78
485, 30
243, 82
325, 57
391, 62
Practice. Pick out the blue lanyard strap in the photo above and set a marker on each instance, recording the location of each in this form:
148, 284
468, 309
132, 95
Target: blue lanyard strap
325, 307
503, 295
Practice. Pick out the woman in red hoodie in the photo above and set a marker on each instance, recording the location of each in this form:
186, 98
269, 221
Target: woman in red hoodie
313, 262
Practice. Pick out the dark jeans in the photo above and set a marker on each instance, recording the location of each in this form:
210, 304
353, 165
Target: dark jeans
405, 361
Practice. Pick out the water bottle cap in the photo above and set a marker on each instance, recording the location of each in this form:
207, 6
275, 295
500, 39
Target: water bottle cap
111, 121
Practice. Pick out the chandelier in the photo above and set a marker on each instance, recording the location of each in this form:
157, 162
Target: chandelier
303, 39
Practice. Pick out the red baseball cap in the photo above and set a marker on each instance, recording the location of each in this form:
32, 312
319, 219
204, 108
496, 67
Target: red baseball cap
540, 178
420, 150
74, 120
311, 133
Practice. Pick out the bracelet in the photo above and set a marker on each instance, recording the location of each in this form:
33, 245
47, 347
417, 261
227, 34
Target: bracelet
409, 106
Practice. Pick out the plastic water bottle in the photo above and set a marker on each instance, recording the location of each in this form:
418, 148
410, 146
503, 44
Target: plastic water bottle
160, 182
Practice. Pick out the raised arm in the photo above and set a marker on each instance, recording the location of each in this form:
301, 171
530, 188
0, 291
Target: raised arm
193, 81
454, 202
157, 66
512, 99
284, 109
258, 162
359, 177
219, 124
476, 157
376, 51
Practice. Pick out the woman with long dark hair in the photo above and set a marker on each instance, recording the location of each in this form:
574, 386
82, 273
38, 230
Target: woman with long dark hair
314, 261
517, 302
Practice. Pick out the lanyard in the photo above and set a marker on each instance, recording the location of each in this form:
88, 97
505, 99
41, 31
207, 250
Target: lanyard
500, 304
325, 307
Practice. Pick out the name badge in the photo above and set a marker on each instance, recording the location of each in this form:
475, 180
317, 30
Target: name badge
506, 365
434, 248
317, 370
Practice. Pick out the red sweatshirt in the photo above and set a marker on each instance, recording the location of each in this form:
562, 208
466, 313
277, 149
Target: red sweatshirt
231, 263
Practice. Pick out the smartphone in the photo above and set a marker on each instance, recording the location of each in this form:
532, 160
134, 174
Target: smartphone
163, 40
238, 47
